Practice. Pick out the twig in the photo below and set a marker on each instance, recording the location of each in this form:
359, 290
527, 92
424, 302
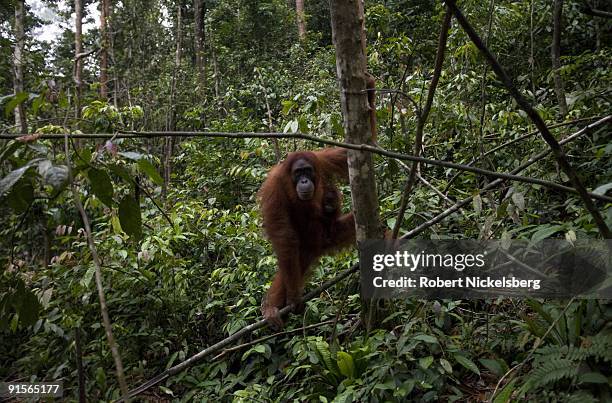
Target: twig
436, 191
277, 150
596, 13
418, 142
519, 139
536, 119
98, 276
270, 336
497, 182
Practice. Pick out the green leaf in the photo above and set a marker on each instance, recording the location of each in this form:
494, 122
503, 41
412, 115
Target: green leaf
28, 308
9, 150
506, 393
166, 390
592, 377
21, 196
302, 124
131, 155
467, 363
477, 203
545, 232
446, 365
346, 364
9, 180
148, 168
86, 279
425, 362
519, 200
101, 185
121, 172
100, 377
12, 104
601, 190
495, 366
129, 217
56, 176
426, 338
37, 102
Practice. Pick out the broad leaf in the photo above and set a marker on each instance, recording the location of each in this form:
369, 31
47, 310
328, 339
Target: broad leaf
9, 180
467, 363
148, 168
101, 185
345, 364
129, 217
12, 104
56, 176
21, 196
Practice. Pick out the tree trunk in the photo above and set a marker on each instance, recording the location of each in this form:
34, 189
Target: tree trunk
349, 40
104, 15
556, 54
20, 116
216, 73
301, 19
78, 49
171, 115
198, 6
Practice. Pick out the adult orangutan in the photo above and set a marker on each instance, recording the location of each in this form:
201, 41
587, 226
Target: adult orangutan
300, 204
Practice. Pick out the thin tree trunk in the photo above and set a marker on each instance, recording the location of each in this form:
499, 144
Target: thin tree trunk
349, 40
79, 362
198, 6
104, 14
78, 49
171, 116
111, 57
216, 73
20, 116
556, 54
301, 19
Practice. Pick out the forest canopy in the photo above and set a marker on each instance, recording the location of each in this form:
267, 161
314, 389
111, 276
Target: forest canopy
135, 136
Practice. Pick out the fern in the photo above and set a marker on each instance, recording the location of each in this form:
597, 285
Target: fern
600, 346
552, 371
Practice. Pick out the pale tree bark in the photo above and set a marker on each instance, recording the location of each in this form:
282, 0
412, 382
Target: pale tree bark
105, 43
20, 116
78, 50
556, 54
347, 32
301, 18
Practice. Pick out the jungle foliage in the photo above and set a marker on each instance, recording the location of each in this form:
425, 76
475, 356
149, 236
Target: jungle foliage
185, 264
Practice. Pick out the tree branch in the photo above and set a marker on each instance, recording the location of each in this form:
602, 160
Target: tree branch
360, 147
228, 340
414, 232
418, 142
536, 119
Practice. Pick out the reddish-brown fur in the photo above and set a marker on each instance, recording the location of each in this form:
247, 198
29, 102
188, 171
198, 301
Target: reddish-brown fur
302, 231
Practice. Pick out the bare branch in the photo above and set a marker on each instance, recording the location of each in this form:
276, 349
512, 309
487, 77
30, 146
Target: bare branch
360, 147
521, 138
415, 231
418, 142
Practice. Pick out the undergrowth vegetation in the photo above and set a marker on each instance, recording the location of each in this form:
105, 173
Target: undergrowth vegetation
185, 264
